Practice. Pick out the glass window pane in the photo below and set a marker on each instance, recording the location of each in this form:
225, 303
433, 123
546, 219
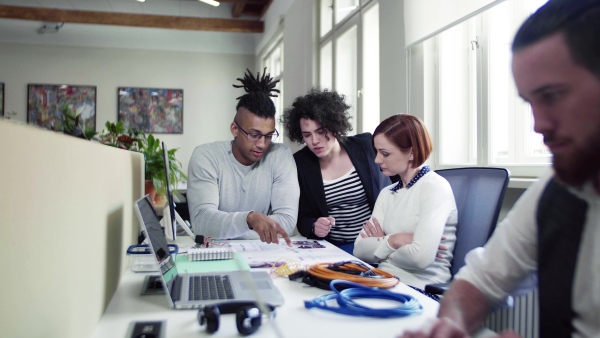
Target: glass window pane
345, 70
326, 66
535, 149
343, 8
278, 101
501, 86
326, 17
274, 63
370, 85
456, 99
513, 140
281, 56
533, 5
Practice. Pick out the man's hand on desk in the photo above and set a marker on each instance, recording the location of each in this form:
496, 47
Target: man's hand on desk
267, 229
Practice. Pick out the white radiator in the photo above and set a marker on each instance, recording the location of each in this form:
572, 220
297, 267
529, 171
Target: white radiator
522, 318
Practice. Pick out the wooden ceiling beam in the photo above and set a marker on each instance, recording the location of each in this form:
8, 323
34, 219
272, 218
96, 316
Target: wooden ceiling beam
265, 8
253, 10
256, 8
133, 20
238, 9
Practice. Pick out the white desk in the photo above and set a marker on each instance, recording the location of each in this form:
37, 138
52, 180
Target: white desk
293, 319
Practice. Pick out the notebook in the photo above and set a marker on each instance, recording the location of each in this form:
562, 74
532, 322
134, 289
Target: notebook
193, 290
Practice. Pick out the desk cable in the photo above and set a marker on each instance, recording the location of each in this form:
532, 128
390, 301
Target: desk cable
352, 271
261, 304
350, 291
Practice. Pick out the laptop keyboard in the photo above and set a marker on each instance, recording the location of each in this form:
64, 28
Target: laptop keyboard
210, 287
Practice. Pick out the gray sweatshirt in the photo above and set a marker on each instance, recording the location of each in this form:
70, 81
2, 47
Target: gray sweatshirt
221, 191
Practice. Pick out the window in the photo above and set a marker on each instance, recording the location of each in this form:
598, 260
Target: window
273, 60
480, 119
349, 57
370, 69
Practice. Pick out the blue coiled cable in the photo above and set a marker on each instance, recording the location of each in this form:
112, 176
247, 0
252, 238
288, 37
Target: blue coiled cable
347, 305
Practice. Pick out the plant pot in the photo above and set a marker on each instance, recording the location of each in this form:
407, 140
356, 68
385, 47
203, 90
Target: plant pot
149, 189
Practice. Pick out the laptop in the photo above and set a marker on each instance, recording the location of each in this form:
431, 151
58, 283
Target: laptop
170, 217
194, 290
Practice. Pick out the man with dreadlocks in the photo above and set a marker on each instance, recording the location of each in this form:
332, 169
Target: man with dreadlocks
246, 188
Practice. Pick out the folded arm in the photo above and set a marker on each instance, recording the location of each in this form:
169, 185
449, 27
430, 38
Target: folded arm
436, 205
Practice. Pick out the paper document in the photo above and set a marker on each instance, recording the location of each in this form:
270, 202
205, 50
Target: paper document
262, 255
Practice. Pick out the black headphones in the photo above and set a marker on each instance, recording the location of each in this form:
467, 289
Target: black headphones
248, 316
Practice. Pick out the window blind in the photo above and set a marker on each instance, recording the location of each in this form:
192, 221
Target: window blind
426, 18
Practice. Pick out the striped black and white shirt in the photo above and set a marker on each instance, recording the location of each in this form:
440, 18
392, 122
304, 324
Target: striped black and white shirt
347, 203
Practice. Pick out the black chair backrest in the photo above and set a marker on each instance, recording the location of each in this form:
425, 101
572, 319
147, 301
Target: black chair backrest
478, 193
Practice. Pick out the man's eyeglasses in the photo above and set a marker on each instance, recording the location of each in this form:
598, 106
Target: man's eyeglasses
254, 137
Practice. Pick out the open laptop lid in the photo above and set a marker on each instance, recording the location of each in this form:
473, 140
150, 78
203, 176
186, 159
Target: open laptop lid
171, 204
158, 242
247, 285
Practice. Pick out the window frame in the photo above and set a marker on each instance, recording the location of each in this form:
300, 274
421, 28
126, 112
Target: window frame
353, 19
276, 42
483, 112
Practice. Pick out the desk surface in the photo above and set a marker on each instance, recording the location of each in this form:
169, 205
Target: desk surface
293, 320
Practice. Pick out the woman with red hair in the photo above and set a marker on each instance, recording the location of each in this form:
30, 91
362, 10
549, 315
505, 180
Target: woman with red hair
411, 216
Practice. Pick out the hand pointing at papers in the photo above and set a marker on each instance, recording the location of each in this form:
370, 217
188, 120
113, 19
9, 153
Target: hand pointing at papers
267, 229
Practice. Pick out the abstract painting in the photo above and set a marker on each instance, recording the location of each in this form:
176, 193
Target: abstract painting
151, 110
49, 106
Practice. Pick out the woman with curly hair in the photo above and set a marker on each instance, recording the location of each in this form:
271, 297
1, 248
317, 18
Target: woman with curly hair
339, 180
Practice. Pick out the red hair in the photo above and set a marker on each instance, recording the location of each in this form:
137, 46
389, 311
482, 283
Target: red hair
406, 132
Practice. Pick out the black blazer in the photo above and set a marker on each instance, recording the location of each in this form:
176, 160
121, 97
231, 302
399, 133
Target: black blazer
312, 194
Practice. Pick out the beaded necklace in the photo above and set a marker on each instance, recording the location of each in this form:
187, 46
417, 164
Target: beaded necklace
412, 182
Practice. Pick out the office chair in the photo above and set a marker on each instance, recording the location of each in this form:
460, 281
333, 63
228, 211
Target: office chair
479, 193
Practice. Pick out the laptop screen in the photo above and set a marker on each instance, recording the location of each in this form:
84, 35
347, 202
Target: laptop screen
157, 239
171, 221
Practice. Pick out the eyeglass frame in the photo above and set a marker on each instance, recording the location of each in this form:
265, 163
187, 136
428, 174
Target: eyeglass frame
268, 138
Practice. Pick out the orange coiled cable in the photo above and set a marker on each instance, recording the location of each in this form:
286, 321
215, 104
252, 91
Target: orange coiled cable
384, 279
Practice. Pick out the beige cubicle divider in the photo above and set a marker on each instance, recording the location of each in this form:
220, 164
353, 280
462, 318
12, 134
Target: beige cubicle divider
66, 206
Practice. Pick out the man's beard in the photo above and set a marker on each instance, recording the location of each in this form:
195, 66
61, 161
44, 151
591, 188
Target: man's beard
581, 165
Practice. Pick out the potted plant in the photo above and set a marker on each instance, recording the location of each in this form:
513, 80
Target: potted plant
155, 172
73, 125
116, 135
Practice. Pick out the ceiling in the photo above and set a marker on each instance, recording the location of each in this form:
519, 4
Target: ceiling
242, 10
183, 25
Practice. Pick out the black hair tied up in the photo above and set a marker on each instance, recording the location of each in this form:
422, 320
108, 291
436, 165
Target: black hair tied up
263, 84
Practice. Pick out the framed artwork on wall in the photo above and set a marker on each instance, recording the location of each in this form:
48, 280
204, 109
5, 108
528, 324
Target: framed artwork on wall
1, 98
49, 106
151, 110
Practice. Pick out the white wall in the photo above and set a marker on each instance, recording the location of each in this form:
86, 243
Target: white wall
299, 41
109, 36
206, 80
272, 18
392, 59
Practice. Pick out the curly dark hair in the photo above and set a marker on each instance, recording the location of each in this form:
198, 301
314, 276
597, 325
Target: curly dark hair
327, 108
258, 92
